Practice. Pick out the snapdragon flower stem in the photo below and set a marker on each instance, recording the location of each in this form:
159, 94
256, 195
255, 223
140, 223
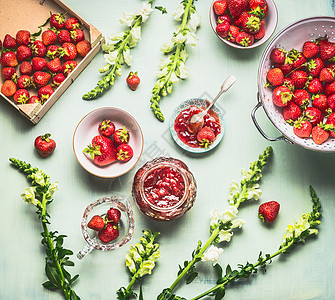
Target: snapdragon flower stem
133, 279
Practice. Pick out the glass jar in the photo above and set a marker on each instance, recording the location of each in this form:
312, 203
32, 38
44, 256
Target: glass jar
164, 188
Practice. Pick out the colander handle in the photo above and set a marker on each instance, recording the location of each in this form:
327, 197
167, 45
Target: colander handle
253, 116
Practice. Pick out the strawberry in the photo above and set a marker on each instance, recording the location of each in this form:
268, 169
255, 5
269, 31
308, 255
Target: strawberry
41, 78
315, 86
259, 5
225, 17
220, 7
45, 92
68, 67
320, 102
314, 66
77, 35
114, 215
291, 111
23, 37
251, 24
236, 7
106, 128
331, 102
44, 145
69, 51
121, 136
301, 98
109, 233
49, 37
55, 65
102, 150
53, 51
327, 75
96, 223
299, 78
8, 73
39, 63
327, 50
288, 82
124, 153
8, 88
83, 48
33, 99
261, 32
310, 49
57, 79
329, 88
233, 33
268, 211
277, 56
8, 59
314, 115
57, 20
245, 39
319, 134
24, 82
0, 44
222, 29
239, 20
133, 80
205, 137
9, 42
302, 128
23, 53
286, 67
281, 95
275, 77
39, 49
26, 68
64, 36
331, 121
72, 23
297, 59
21, 96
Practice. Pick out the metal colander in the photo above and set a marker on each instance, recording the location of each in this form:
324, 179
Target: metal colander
292, 36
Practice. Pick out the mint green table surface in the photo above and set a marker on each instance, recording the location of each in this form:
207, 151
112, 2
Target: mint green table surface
307, 273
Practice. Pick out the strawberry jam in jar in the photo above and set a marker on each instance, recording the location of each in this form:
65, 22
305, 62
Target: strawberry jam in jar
164, 188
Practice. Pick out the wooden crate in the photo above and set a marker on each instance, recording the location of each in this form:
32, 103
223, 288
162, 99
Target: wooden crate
34, 14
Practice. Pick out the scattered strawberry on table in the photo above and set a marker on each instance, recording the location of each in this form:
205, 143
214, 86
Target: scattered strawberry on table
45, 145
268, 211
133, 80
107, 225
45, 63
303, 83
241, 21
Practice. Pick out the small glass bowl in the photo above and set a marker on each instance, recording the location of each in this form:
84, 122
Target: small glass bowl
160, 212
126, 224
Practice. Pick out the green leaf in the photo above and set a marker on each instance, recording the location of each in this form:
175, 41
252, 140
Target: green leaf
141, 293
162, 9
52, 274
50, 286
220, 293
191, 277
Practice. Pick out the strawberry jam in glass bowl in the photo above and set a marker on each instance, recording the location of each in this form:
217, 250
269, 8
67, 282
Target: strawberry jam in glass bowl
164, 188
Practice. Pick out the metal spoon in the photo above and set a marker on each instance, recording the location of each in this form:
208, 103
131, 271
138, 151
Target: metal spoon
196, 122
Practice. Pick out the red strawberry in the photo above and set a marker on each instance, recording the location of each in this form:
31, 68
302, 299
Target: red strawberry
299, 78
57, 79
331, 121
83, 48
268, 211
251, 24
301, 98
72, 23
44, 145
326, 75
9, 42
281, 95
277, 56
329, 88
233, 33
55, 65
49, 37
236, 7
8, 88
33, 99
310, 49
239, 20
24, 82
205, 137
121, 136
286, 67
69, 51
261, 32
106, 128
109, 233
245, 39
77, 35
315, 86
314, 115
114, 215
96, 223
275, 77
102, 150
222, 29
23, 37
320, 102
124, 153
259, 7
319, 134
8, 59
327, 50
8, 73
314, 67
23, 53
21, 96
220, 7
302, 128
288, 82
53, 51
57, 20
41, 78
133, 80
331, 102
26, 68
45, 92
297, 58
39, 49
64, 36
39, 63
225, 17
68, 67
291, 111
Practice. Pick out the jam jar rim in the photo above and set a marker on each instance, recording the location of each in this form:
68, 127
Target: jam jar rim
160, 164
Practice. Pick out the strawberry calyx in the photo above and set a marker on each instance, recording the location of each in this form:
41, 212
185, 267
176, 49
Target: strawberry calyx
253, 23
45, 137
327, 127
123, 134
93, 151
132, 74
105, 124
122, 155
204, 143
258, 12
285, 97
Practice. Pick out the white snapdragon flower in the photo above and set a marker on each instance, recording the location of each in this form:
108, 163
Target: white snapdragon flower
28, 196
254, 192
297, 228
116, 37
179, 38
214, 217
39, 177
52, 189
130, 264
191, 39
146, 268
127, 19
135, 36
183, 71
107, 47
164, 62
183, 55
178, 13
237, 223
155, 256
127, 57
225, 236
194, 22
229, 213
167, 47
174, 78
111, 57
162, 72
145, 11
212, 254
